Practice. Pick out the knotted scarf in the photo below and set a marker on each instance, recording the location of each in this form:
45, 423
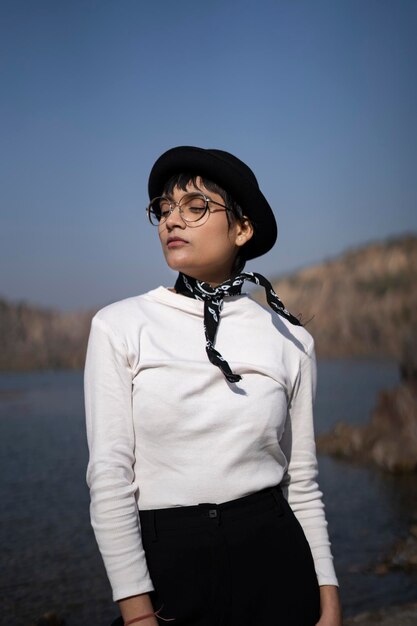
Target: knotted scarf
213, 302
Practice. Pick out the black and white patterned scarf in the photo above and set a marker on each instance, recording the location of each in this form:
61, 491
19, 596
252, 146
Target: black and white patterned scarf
213, 303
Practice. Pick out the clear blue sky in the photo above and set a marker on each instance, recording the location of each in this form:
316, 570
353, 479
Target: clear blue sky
318, 97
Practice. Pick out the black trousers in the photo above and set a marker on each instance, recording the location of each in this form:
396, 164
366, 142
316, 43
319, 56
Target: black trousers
245, 562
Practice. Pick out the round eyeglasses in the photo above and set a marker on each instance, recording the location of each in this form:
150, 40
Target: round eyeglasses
193, 207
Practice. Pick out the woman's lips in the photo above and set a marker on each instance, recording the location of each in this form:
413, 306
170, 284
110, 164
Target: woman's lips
176, 242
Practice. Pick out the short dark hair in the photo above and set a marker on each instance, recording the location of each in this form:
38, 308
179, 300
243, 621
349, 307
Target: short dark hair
236, 214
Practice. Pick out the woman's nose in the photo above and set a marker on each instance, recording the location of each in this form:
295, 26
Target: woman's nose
174, 218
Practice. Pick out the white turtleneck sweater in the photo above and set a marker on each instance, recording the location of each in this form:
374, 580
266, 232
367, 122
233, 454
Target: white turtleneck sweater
166, 429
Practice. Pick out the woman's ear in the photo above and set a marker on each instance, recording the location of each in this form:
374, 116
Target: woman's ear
244, 231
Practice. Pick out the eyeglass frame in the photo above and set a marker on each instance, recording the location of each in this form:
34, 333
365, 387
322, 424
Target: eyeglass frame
173, 204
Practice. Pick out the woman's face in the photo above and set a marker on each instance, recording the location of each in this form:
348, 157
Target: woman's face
207, 251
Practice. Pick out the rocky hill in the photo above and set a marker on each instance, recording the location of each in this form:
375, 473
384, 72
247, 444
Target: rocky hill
362, 303
32, 338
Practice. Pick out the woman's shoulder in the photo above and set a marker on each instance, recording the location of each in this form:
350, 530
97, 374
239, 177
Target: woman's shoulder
293, 337
124, 312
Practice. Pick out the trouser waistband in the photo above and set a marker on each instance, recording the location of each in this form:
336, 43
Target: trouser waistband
171, 517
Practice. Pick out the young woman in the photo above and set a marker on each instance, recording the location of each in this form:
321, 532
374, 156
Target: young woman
202, 469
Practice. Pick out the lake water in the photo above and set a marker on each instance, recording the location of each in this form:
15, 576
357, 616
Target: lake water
49, 559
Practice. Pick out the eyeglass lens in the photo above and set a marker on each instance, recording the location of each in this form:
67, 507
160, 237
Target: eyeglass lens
192, 207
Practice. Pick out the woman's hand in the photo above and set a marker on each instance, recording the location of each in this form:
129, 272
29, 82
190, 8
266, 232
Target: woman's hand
331, 610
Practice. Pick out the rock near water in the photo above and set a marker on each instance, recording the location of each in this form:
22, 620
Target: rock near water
389, 440
394, 616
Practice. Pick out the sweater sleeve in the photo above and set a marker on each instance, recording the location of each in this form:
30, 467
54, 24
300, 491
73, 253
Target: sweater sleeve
300, 480
110, 473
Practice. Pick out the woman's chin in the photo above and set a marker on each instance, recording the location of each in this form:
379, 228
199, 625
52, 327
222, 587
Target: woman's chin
204, 273
178, 266
178, 262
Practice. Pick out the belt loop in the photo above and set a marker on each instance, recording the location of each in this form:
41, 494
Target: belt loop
154, 535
